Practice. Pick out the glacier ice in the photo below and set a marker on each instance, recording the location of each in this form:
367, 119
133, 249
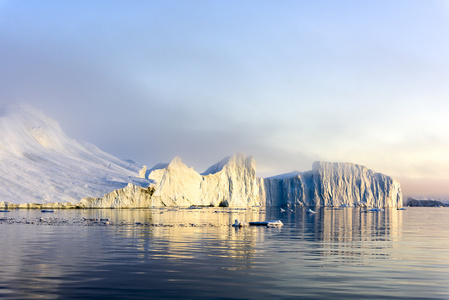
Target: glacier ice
334, 184
129, 197
233, 182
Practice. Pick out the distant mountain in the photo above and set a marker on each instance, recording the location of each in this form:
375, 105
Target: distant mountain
426, 202
39, 163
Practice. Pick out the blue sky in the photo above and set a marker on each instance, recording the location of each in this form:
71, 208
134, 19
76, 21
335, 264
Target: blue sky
289, 82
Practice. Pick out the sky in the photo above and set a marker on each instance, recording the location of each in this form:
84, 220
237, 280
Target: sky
288, 82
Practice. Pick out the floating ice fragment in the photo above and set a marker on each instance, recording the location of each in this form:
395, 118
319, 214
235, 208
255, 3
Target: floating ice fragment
239, 223
373, 210
275, 223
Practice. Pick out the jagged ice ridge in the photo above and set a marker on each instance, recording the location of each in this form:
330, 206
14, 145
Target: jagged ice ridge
233, 182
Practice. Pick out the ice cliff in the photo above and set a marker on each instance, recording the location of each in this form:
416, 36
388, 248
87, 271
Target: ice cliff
333, 184
233, 182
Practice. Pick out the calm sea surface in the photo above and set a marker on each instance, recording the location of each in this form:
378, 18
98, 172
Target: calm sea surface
196, 254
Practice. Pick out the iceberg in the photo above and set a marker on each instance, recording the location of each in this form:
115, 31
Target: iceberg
335, 185
129, 197
233, 182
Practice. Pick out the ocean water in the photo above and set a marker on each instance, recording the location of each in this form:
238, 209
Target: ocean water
196, 254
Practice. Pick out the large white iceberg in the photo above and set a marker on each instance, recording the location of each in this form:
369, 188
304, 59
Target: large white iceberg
233, 182
333, 184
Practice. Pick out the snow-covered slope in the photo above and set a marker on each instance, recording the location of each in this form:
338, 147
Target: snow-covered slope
39, 163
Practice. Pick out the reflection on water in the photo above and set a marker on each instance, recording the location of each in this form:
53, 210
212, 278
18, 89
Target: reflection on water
195, 253
350, 236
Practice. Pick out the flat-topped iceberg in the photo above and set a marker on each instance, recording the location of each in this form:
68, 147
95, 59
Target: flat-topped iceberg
333, 184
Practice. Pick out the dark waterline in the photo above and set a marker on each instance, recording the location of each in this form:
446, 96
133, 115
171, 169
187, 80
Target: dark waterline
196, 254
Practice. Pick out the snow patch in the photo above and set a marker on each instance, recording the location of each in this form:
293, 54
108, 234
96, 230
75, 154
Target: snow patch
215, 168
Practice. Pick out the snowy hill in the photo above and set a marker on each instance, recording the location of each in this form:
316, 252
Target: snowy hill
39, 163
